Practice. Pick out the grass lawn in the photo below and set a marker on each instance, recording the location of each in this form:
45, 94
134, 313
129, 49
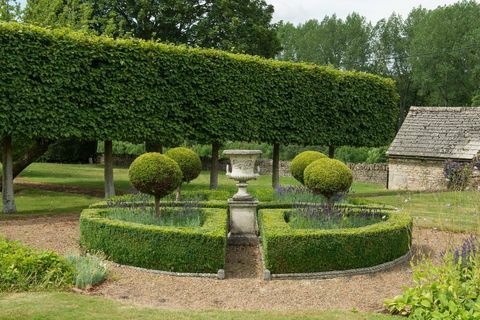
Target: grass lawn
454, 211
64, 306
35, 201
91, 177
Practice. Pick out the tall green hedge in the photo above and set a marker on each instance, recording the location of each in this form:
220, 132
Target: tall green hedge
190, 249
289, 250
60, 84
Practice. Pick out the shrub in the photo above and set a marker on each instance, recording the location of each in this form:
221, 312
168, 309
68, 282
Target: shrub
187, 249
23, 268
301, 161
328, 177
446, 291
458, 174
189, 163
155, 174
89, 270
289, 250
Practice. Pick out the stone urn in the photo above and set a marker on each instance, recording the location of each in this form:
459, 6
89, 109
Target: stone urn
243, 228
242, 170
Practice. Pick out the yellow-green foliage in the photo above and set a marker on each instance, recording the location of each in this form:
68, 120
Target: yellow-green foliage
301, 161
22, 268
289, 250
167, 248
155, 174
188, 160
328, 177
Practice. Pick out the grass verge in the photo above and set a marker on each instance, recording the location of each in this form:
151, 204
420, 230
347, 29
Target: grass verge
66, 306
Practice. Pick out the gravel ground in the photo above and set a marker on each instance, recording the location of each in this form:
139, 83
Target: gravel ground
243, 287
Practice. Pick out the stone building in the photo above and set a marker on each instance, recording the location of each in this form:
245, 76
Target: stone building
428, 138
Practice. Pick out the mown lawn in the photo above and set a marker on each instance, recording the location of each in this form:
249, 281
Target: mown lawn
66, 306
456, 211
91, 177
35, 201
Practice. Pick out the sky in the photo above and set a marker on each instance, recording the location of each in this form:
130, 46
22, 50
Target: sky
298, 11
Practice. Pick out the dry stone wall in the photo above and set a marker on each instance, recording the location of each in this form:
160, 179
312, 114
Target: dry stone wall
367, 173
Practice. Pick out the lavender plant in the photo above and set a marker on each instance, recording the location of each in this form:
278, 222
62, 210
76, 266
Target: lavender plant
458, 174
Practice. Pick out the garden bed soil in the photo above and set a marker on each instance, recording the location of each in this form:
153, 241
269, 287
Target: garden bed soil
243, 287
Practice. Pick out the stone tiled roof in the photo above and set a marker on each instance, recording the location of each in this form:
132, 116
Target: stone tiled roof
438, 132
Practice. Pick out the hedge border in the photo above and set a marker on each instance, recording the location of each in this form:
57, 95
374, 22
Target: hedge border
63, 84
285, 251
168, 249
267, 275
220, 204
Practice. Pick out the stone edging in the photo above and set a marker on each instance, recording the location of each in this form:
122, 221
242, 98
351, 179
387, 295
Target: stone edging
220, 275
267, 275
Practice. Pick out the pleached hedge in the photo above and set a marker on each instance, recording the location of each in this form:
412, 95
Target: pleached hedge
57, 83
186, 249
289, 250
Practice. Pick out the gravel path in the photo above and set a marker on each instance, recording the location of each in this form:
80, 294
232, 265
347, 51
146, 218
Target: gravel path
243, 287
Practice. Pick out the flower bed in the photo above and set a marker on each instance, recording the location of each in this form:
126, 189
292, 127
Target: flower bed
289, 250
176, 249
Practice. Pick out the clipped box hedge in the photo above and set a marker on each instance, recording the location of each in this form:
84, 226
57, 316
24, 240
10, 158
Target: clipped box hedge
190, 249
289, 250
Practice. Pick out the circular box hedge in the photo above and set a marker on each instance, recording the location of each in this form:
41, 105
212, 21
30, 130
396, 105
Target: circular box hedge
289, 250
186, 249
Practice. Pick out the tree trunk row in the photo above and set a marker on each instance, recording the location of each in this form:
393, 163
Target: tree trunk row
8, 198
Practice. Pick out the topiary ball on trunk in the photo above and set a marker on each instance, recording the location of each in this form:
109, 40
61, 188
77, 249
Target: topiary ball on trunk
188, 160
301, 161
328, 177
155, 174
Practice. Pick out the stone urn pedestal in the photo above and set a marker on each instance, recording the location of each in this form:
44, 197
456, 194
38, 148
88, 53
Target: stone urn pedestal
243, 228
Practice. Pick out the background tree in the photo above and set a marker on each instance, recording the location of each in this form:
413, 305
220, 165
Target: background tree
9, 10
444, 54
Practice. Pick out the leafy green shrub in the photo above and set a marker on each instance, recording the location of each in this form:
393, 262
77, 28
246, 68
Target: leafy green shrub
185, 249
89, 270
289, 250
446, 291
328, 177
155, 174
188, 161
301, 161
23, 268
123, 148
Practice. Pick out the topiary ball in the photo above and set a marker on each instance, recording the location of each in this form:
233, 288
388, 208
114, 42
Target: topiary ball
188, 160
155, 174
301, 161
328, 177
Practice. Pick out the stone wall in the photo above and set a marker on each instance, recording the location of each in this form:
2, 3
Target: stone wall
408, 174
370, 173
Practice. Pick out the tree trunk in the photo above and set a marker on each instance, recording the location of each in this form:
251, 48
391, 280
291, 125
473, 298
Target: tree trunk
178, 195
331, 152
151, 146
157, 206
8, 196
276, 166
35, 152
108, 170
214, 166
